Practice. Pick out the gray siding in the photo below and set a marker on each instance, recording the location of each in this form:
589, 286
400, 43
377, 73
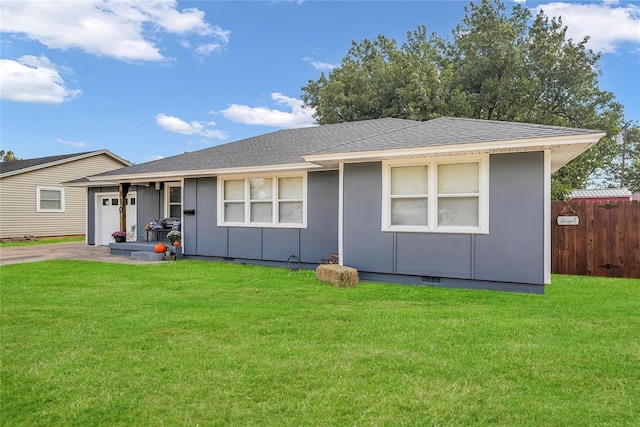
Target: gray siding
204, 238
512, 252
320, 238
366, 248
514, 249
442, 255
149, 204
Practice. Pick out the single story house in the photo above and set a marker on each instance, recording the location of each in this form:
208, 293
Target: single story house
602, 194
434, 203
35, 202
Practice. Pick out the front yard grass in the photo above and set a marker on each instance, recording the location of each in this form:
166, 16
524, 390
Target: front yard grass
199, 343
44, 241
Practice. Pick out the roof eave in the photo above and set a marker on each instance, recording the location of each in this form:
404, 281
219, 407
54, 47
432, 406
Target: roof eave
579, 143
162, 176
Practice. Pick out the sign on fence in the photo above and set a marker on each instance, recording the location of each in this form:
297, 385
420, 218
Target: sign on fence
568, 220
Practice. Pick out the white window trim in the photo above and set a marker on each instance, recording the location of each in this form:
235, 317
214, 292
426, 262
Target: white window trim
274, 201
62, 197
432, 163
167, 193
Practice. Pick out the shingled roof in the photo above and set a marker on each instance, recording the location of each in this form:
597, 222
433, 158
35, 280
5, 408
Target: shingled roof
22, 166
286, 147
16, 165
276, 148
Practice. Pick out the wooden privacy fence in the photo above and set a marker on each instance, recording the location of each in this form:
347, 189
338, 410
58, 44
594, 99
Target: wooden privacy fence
605, 242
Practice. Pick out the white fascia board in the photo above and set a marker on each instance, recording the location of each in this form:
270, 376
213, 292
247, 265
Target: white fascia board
547, 217
65, 160
514, 145
145, 177
87, 184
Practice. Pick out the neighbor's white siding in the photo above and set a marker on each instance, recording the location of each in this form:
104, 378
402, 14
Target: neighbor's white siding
18, 216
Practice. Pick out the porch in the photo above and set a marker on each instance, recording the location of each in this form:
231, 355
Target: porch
142, 250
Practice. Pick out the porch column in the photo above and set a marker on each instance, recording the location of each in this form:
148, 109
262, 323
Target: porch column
122, 190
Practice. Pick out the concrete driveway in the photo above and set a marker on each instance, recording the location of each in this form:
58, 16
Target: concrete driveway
73, 250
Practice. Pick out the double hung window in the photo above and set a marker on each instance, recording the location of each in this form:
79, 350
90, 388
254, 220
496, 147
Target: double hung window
49, 199
277, 201
438, 196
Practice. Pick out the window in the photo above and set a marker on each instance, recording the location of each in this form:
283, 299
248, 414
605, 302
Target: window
49, 199
174, 200
264, 201
437, 196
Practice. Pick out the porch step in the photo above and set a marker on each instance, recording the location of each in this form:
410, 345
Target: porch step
146, 256
143, 251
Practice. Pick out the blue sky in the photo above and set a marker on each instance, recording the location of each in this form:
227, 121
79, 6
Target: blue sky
153, 79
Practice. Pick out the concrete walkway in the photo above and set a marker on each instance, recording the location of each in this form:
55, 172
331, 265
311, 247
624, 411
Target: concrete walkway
49, 251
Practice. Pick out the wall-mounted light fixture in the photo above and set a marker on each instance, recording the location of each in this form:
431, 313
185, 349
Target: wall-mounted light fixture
157, 185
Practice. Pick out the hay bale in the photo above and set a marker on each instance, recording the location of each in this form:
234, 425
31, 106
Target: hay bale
337, 275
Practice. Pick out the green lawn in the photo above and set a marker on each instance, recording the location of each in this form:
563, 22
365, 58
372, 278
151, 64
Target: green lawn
45, 240
197, 343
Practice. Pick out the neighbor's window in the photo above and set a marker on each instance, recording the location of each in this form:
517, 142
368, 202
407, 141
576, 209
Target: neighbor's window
437, 196
49, 199
262, 201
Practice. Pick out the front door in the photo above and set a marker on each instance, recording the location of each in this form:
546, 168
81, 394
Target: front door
108, 216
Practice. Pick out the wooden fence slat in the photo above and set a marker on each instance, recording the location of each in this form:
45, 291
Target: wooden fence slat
604, 238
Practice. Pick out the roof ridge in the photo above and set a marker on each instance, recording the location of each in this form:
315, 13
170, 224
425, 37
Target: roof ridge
507, 122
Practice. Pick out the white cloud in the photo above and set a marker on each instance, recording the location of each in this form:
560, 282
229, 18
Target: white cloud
77, 144
321, 66
607, 25
154, 157
118, 29
300, 116
33, 79
177, 125
207, 49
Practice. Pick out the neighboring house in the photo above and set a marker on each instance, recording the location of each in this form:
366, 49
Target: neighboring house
434, 203
604, 194
33, 200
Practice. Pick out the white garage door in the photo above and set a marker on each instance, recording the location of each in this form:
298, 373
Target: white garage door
108, 216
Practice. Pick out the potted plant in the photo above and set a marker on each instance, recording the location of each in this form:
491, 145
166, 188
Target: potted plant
174, 236
119, 236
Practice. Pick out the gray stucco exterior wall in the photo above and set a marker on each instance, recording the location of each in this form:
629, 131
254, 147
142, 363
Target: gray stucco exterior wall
512, 252
204, 238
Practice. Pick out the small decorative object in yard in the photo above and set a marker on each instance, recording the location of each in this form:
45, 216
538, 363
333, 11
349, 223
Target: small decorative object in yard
337, 275
119, 236
176, 243
174, 236
160, 248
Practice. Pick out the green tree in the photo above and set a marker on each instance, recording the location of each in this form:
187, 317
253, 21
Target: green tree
498, 65
632, 160
7, 156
